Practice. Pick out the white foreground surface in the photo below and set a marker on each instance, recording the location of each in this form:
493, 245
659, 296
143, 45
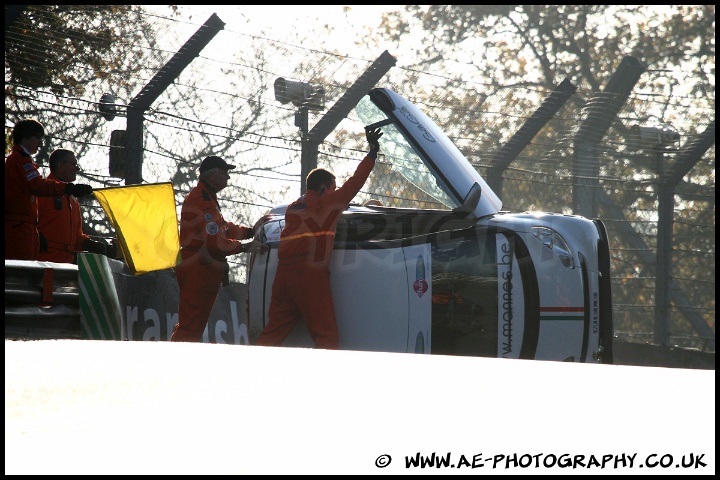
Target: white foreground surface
103, 407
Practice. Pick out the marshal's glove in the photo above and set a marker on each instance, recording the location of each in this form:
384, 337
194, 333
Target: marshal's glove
79, 190
373, 137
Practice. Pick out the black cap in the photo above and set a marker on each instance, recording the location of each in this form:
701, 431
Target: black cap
214, 162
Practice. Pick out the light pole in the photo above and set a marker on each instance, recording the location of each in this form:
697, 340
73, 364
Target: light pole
313, 98
306, 97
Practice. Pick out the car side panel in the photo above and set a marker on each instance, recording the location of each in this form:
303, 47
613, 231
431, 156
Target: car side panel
370, 292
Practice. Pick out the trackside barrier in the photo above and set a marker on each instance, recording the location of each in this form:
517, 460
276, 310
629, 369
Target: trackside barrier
149, 306
99, 299
41, 300
100, 315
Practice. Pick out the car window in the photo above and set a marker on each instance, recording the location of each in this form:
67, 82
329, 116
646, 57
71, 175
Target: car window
402, 157
465, 296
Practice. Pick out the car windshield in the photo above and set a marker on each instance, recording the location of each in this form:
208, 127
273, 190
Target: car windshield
401, 155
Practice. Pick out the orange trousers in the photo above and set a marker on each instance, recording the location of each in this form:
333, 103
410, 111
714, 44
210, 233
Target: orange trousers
22, 241
302, 290
199, 287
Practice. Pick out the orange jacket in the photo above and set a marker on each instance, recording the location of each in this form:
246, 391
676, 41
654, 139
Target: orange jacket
23, 183
204, 232
310, 221
60, 221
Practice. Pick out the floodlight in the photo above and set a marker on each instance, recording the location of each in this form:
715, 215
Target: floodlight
653, 136
107, 106
301, 94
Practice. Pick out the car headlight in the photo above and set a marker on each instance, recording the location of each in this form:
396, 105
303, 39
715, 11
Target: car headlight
553, 241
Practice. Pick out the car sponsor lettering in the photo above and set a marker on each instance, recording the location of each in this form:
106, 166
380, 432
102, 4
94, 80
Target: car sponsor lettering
505, 295
595, 312
425, 133
420, 286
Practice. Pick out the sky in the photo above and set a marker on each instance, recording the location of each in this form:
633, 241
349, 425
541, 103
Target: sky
293, 24
277, 21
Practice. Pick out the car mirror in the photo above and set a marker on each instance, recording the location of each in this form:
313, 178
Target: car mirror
471, 201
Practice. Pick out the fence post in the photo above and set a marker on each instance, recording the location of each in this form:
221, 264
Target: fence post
158, 84
602, 110
342, 107
505, 156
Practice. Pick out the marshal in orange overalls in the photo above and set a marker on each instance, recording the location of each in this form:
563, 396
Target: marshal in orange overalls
60, 221
205, 240
302, 289
23, 184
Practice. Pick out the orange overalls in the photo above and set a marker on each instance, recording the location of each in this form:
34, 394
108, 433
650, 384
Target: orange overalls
302, 284
205, 240
60, 222
23, 183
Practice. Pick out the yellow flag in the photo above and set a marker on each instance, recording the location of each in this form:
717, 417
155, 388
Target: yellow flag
145, 220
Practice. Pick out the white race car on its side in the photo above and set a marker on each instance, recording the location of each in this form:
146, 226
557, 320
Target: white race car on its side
468, 280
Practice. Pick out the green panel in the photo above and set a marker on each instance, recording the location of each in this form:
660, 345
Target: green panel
100, 314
